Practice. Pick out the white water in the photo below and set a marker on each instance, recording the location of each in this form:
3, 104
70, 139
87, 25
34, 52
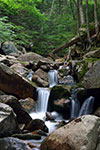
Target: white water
42, 103
75, 107
52, 78
87, 106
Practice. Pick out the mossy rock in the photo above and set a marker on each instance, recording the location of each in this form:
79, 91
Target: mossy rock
58, 92
27, 136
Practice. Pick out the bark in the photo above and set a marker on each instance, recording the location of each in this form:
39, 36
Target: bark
52, 7
82, 19
96, 18
71, 5
87, 22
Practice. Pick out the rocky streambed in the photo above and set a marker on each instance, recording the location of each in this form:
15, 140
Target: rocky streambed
78, 80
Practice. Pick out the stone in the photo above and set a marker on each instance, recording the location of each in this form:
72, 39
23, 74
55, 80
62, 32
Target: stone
37, 124
42, 74
58, 92
80, 134
11, 143
31, 56
28, 104
40, 82
8, 122
21, 115
14, 84
92, 77
9, 47
27, 136
20, 69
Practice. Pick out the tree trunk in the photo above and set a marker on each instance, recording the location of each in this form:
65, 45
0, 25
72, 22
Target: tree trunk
82, 19
52, 7
87, 22
96, 18
71, 6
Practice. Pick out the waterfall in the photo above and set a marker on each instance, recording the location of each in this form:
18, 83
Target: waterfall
52, 77
43, 96
75, 104
87, 106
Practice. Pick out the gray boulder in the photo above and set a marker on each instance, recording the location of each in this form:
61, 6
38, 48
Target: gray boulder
92, 77
8, 123
80, 134
10, 143
9, 47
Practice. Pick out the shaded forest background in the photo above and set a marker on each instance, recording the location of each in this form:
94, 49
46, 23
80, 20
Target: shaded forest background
43, 25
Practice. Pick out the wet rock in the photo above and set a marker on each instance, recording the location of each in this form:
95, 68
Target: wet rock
27, 136
92, 77
9, 47
97, 112
49, 116
12, 83
20, 69
42, 74
10, 143
37, 124
67, 80
40, 82
8, 122
58, 92
79, 134
28, 104
33, 57
22, 115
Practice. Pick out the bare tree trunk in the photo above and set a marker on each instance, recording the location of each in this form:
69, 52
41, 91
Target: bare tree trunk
78, 17
82, 19
87, 22
96, 18
71, 5
52, 7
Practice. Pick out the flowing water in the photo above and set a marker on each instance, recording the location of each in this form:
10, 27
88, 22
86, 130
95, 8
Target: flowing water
52, 78
87, 106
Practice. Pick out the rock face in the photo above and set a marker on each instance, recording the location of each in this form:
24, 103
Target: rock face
12, 83
80, 134
58, 94
8, 123
13, 144
92, 77
9, 47
21, 115
33, 57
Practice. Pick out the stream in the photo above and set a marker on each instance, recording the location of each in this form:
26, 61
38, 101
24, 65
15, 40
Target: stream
42, 104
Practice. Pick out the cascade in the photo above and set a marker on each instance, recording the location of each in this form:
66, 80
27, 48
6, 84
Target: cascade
43, 96
41, 106
52, 77
87, 106
75, 104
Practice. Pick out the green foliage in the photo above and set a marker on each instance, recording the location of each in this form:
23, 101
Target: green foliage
30, 22
6, 30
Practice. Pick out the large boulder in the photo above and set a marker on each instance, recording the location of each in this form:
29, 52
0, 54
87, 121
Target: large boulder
31, 56
10, 143
14, 84
80, 134
9, 47
40, 77
92, 77
58, 95
8, 123
20, 69
21, 115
